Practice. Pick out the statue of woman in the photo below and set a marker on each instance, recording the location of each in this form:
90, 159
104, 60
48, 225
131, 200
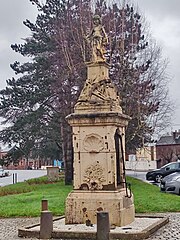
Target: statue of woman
98, 40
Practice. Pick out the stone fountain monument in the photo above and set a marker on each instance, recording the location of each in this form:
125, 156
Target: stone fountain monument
98, 126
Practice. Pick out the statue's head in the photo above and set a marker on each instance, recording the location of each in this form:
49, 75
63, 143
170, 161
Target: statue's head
96, 19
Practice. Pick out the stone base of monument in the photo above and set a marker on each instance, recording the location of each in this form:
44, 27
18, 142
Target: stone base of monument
82, 207
141, 228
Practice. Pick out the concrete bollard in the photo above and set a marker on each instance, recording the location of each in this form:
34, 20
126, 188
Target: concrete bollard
103, 226
46, 221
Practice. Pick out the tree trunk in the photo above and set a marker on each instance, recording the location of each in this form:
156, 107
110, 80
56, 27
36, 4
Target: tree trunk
66, 133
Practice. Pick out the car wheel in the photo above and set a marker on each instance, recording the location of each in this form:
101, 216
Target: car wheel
158, 178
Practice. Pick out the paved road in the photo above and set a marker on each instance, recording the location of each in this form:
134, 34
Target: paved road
9, 228
136, 174
22, 175
140, 175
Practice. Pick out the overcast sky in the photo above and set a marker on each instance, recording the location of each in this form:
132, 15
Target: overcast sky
163, 16
164, 19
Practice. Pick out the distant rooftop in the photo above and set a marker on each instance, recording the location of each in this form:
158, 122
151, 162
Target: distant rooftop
172, 139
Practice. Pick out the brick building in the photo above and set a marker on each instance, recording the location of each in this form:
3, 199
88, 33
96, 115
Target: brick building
168, 148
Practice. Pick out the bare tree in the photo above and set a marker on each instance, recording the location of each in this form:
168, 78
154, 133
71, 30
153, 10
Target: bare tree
167, 153
53, 80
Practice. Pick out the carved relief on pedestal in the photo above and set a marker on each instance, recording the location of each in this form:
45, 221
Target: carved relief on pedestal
93, 143
94, 177
100, 94
102, 90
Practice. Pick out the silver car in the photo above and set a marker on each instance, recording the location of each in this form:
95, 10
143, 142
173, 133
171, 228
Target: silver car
171, 183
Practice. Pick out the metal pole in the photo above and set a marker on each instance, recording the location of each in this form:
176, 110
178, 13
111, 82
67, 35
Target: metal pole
44, 205
46, 221
103, 226
15, 177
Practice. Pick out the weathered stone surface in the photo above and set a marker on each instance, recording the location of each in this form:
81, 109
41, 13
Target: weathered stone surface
84, 205
94, 150
46, 224
99, 93
53, 173
143, 226
98, 126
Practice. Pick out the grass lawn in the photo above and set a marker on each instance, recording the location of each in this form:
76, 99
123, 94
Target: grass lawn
24, 199
29, 203
148, 198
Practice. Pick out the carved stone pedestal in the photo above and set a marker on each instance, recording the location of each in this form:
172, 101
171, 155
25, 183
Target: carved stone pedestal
82, 206
98, 170
96, 163
98, 126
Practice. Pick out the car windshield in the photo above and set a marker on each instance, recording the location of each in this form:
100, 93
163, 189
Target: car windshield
171, 166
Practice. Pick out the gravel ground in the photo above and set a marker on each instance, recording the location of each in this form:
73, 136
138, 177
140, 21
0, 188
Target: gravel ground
9, 228
171, 231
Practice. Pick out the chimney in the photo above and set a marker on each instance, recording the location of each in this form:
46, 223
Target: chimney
175, 134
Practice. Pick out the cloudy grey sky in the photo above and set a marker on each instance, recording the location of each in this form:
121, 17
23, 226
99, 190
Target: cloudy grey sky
164, 19
162, 15
12, 30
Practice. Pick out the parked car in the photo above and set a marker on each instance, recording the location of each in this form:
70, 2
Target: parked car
157, 174
171, 183
3, 173
6, 173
